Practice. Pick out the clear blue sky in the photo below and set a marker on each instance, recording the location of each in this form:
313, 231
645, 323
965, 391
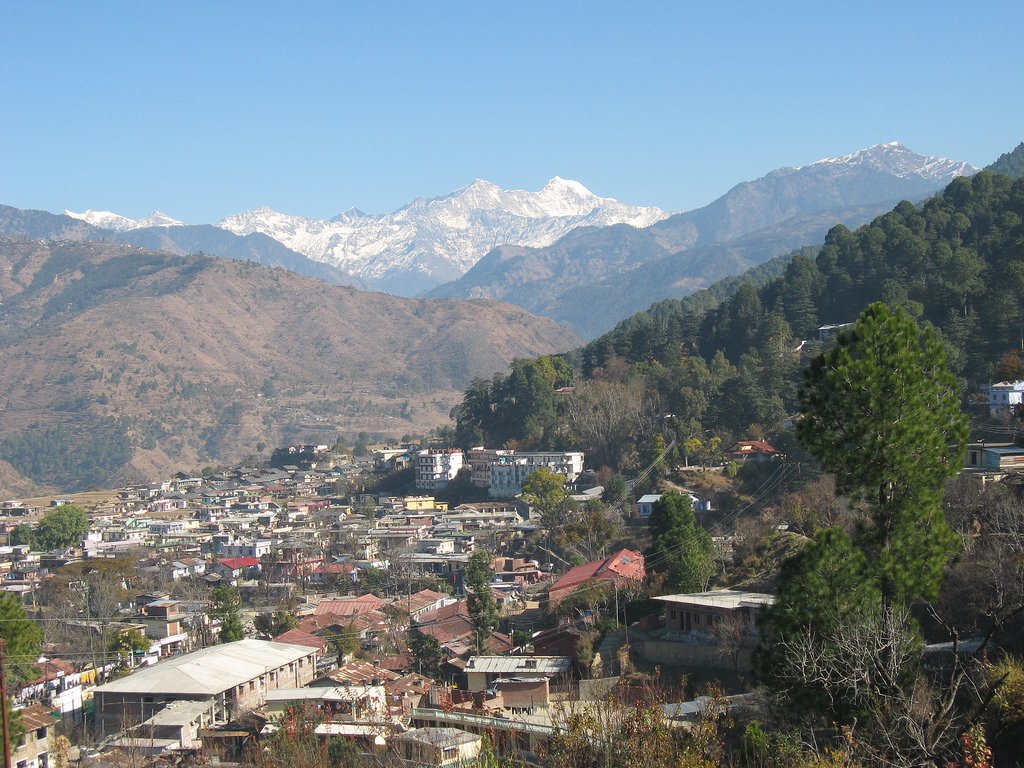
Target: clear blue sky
203, 109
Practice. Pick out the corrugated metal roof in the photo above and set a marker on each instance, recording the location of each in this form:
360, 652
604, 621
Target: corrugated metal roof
439, 737
505, 665
37, 716
720, 598
335, 693
181, 713
211, 670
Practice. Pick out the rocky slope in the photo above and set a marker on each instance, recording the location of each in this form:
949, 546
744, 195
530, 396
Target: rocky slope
121, 362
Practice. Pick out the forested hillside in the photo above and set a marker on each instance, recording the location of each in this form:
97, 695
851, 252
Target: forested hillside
956, 262
1010, 163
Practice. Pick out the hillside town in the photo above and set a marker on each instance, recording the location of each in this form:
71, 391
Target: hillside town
191, 620
196, 612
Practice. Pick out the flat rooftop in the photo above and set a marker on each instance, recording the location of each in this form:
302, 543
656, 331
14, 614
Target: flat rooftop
720, 598
210, 671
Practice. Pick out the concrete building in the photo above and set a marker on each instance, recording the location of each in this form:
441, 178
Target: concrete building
33, 748
483, 671
645, 504
509, 472
339, 703
435, 469
700, 612
1005, 398
231, 679
503, 471
480, 460
442, 747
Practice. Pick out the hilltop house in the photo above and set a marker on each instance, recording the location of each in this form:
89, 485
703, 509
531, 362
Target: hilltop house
1005, 399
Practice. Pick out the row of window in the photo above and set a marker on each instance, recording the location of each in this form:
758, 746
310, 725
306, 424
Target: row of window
710, 619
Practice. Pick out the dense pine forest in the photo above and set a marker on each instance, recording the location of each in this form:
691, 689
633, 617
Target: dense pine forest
729, 360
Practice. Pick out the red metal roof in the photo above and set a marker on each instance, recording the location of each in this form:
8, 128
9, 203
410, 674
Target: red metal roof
624, 564
238, 563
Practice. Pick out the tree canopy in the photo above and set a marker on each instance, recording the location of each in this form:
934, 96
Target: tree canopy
24, 638
226, 605
680, 548
881, 411
483, 608
544, 490
64, 527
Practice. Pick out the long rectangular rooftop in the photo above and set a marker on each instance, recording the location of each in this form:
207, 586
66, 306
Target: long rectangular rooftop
211, 670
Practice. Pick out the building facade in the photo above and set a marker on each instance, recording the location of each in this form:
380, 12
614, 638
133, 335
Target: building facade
231, 679
435, 469
504, 470
1005, 399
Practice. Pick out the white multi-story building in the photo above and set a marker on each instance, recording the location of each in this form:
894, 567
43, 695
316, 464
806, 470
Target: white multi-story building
435, 469
480, 460
509, 471
1004, 397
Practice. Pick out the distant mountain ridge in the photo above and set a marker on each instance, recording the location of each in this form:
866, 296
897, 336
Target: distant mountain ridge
119, 223
592, 277
429, 242
123, 363
178, 239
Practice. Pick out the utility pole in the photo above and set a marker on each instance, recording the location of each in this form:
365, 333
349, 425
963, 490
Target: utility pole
616, 584
8, 763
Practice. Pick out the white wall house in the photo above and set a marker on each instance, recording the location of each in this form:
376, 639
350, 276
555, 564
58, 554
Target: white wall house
1004, 397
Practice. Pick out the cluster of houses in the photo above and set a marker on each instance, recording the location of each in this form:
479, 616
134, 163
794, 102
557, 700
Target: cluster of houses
295, 532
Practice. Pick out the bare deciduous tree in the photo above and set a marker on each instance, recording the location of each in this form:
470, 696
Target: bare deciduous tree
604, 414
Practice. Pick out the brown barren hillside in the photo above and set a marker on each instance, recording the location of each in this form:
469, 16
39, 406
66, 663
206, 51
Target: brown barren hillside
121, 363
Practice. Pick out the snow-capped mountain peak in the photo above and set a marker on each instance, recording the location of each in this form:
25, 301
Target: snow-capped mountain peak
158, 219
119, 223
437, 239
103, 219
558, 184
894, 158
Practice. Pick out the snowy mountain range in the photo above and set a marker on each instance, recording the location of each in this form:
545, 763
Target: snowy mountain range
119, 223
592, 278
430, 242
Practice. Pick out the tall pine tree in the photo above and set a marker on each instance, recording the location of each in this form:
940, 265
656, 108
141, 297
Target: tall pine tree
680, 548
881, 411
